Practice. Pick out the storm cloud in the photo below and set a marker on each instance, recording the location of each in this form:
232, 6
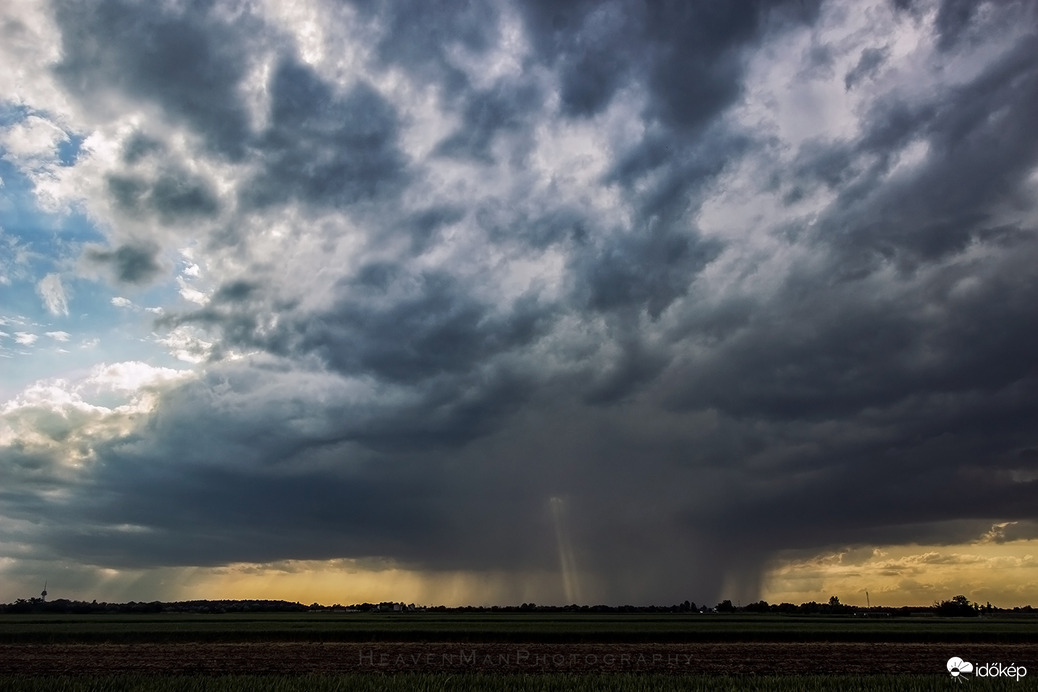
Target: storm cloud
723, 280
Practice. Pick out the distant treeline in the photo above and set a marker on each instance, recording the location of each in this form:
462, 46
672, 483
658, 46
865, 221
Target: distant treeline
62, 605
958, 606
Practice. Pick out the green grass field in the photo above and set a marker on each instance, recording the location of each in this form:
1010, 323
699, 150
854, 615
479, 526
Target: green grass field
508, 627
493, 683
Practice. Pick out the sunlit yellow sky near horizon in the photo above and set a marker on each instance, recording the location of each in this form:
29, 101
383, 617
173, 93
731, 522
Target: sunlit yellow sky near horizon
1004, 574
522, 301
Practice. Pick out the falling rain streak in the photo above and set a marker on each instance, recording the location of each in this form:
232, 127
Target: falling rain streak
567, 563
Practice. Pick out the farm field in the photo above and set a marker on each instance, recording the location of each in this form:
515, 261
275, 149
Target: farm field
500, 651
432, 682
508, 627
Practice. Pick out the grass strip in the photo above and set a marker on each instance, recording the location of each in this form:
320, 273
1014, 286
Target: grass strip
479, 682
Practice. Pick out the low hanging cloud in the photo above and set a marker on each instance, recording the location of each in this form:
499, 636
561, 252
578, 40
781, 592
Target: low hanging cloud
711, 282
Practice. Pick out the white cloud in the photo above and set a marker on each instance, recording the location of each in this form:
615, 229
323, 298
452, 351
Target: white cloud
14, 257
190, 294
58, 336
61, 421
25, 338
131, 376
186, 344
30, 46
32, 138
53, 294
127, 304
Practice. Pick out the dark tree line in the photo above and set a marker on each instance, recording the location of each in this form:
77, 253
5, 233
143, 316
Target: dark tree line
958, 606
62, 605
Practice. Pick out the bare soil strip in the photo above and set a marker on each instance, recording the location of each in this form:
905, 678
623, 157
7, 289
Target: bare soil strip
287, 658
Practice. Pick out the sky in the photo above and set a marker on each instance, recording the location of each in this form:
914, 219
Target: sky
491, 303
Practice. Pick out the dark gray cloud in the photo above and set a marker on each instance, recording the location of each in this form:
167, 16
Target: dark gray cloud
133, 263
192, 61
449, 352
687, 53
186, 58
826, 354
424, 226
869, 63
648, 271
420, 38
485, 114
257, 466
441, 295
174, 196
953, 20
388, 323
586, 40
435, 328
325, 149
970, 167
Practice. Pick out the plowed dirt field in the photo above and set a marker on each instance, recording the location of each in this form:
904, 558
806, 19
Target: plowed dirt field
759, 658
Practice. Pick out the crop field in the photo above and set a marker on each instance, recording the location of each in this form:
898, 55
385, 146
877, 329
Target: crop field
503, 651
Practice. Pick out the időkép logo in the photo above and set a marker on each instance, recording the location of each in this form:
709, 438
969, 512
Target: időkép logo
960, 670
